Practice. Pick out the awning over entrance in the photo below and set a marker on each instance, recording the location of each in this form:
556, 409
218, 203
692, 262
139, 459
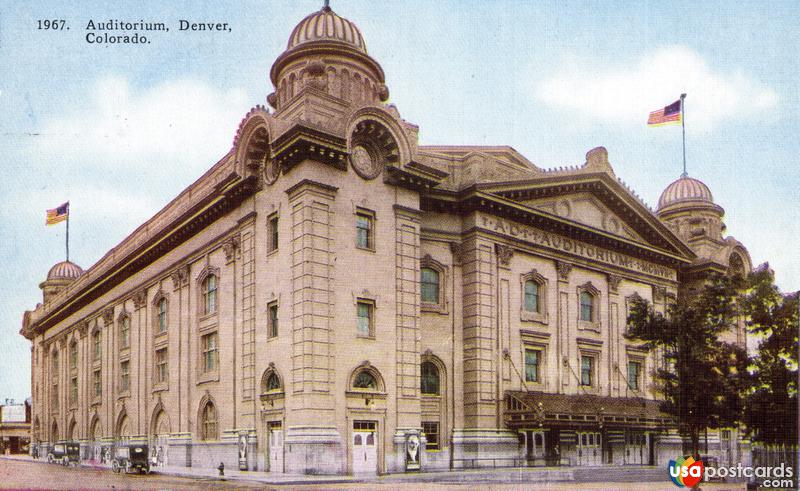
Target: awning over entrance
533, 409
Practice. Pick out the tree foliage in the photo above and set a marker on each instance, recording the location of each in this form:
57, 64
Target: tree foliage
702, 378
771, 408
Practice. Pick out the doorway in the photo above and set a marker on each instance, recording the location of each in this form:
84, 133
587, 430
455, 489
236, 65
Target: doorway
275, 445
365, 447
589, 453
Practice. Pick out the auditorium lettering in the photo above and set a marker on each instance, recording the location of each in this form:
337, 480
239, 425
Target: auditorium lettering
571, 246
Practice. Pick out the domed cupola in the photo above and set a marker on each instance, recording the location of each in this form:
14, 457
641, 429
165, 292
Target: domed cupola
688, 207
327, 53
58, 278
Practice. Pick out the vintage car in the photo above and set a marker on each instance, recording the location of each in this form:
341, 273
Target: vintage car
65, 453
131, 457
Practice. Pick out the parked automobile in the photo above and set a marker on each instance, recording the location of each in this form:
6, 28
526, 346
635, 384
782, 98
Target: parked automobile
131, 457
65, 453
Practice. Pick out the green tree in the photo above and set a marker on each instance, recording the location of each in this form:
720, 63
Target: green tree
771, 405
702, 379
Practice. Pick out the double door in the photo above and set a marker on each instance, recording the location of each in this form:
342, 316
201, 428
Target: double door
636, 452
365, 447
589, 449
275, 446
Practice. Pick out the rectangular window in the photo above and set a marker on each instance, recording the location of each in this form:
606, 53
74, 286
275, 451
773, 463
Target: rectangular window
634, 371
98, 348
587, 370
125, 333
97, 383
365, 319
209, 346
161, 366
73, 356
272, 226
364, 229
73, 391
273, 320
54, 396
431, 430
532, 365
124, 376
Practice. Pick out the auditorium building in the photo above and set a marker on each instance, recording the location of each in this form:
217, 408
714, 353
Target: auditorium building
332, 297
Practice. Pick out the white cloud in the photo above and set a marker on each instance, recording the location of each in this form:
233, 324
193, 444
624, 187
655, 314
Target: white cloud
629, 93
163, 129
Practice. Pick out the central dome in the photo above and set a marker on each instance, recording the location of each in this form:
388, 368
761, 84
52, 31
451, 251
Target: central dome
685, 189
326, 25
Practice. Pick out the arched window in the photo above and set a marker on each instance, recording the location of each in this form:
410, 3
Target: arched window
365, 380
587, 307
429, 383
161, 315
210, 294
430, 285
532, 296
273, 382
208, 422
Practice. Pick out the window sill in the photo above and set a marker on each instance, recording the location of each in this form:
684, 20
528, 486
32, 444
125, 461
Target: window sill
528, 316
160, 386
366, 336
96, 363
207, 377
365, 249
273, 251
96, 401
589, 326
125, 353
124, 394
434, 308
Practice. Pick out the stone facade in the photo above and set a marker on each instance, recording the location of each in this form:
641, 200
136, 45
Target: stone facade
333, 298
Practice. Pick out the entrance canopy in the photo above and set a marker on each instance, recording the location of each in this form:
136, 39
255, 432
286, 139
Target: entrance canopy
534, 409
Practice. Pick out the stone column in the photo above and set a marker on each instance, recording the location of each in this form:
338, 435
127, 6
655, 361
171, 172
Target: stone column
315, 443
565, 341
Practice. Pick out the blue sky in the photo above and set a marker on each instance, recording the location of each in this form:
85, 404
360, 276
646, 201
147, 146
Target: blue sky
120, 130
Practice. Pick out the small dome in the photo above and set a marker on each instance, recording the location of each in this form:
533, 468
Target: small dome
325, 25
685, 189
64, 270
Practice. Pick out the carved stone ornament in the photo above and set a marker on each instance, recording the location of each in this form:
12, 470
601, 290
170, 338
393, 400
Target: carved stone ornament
365, 163
659, 293
504, 254
108, 316
271, 171
63, 342
83, 328
230, 247
139, 299
563, 270
180, 277
614, 281
456, 249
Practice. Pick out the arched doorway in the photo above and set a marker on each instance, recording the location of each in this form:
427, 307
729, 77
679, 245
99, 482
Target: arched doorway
159, 442
71, 430
94, 439
122, 433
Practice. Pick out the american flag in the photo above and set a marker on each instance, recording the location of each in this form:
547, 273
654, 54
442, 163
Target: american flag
668, 115
57, 215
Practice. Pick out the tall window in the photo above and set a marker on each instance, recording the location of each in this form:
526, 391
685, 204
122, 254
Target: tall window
364, 230
531, 296
161, 366
587, 307
429, 383
365, 319
431, 430
209, 346
587, 370
634, 372
125, 333
124, 375
54, 395
73, 356
210, 294
98, 348
208, 422
97, 383
532, 365
272, 227
273, 320
430, 285
161, 315
73, 391
273, 382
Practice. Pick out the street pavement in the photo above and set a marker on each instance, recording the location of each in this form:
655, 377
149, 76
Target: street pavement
24, 473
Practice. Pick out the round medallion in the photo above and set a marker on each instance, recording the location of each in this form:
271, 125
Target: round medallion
364, 163
271, 172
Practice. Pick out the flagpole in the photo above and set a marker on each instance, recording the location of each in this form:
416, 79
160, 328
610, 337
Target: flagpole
67, 232
683, 127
